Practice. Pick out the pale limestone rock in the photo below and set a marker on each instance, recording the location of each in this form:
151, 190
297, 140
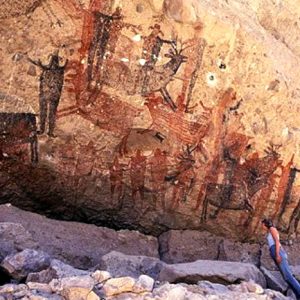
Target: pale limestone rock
83, 281
43, 296
100, 276
11, 288
43, 287
143, 284
131, 296
119, 285
253, 287
277, 295
21, 294
170, 291
79, 293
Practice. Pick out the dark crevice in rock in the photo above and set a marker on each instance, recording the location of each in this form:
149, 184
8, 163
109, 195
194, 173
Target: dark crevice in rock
4, 277
221, 252
41, 190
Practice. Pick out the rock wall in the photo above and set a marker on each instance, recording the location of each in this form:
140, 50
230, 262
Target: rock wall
152, 114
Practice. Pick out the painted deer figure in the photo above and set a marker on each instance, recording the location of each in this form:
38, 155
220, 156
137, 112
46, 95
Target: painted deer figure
120, 76
162, 75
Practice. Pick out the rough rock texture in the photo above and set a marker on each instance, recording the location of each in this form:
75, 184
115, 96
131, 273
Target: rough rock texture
170, 114
243, 252
188, 245
81, 245
274, 280
14, 238
214, 271
57, 280
119, 264
19, 265
57, 269
124, 289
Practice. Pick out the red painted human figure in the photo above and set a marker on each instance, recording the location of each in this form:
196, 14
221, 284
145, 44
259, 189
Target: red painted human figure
138, 165
159, 170
116, 173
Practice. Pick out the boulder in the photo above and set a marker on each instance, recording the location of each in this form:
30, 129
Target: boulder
57, 269
41, 287
274, 280
83, 281
27, 261
241, 252
247, 287
79, 293
115, 286
100, 276
214, 271
78, 244
119, 265
143, 284
178, 246
12, 288
213, 287
169, 291
14, 238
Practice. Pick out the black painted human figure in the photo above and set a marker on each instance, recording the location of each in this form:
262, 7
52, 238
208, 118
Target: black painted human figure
107, 29
151, 50
51, 84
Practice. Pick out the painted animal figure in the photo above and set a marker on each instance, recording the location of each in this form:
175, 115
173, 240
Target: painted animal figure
19, 128
225, 196
120, 76
247, 180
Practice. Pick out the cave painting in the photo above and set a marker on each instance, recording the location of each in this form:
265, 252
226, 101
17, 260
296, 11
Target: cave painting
183, 178
247, 179
150, 54
137, 168
120, 76
51, 84
116, 173
107, 29
229, 178
159, 169
285, 201
19, 128
145, 78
